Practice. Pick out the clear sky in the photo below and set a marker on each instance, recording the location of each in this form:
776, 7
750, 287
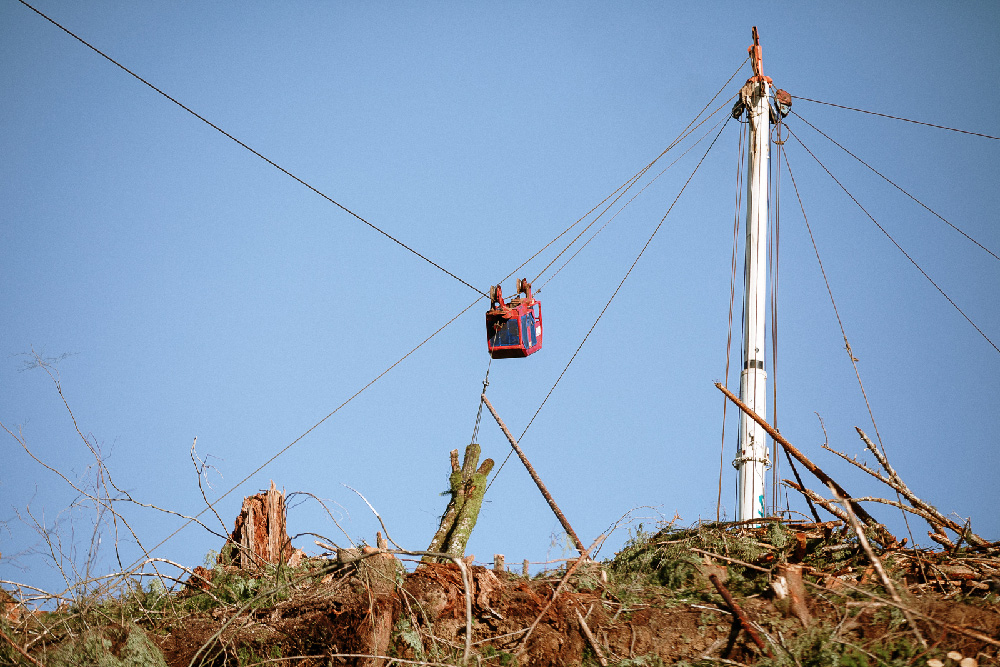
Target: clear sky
189, 289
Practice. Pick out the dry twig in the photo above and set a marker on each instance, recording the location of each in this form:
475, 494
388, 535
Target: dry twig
19, 649
590, 638
878, 567
562, 582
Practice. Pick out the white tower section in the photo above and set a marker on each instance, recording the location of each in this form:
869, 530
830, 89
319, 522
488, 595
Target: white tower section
751, 459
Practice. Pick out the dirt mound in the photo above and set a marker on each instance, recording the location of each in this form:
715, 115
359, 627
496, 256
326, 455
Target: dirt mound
712, 595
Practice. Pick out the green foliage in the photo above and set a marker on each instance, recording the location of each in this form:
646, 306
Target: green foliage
588, 578
778, 535
8, 656
231, 586
665, 559
502, 658
108, 647
411, 637
246, 656
821, 647
225, 558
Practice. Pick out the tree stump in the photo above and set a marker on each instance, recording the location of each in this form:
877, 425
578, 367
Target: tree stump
259, 536
467, 486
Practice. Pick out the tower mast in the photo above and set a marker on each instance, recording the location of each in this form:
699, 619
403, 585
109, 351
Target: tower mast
752, 459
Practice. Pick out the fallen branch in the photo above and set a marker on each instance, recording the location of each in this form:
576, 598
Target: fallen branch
885, 536
731, 560
878, 567
20, 650
968, 632
740, 614
898, 484
336, 565
818, 499
534, 476
590, 638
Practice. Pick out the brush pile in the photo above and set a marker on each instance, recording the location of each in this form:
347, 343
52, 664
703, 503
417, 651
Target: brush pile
767, 592
775, 593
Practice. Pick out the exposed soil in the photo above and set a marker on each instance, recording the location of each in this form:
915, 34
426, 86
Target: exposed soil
651, 605
423, 619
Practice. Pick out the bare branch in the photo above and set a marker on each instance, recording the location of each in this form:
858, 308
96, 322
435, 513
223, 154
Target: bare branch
900, 486
201, 468
863, 541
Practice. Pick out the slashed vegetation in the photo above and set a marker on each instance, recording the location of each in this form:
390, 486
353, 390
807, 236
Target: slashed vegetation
771, 591
808, 591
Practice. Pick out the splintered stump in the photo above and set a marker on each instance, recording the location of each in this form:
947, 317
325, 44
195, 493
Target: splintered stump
260, 536
467, 486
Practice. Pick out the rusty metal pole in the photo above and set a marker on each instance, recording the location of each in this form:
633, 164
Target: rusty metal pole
534, 475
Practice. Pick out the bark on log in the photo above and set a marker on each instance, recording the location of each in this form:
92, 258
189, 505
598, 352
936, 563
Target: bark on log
379, 574
467, 486
259, 536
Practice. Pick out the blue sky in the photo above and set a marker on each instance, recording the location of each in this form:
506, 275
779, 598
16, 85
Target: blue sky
192, 290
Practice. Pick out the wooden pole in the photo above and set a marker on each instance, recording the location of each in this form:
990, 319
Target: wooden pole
810, 466
534, 475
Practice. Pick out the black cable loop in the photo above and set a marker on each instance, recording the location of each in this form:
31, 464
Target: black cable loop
486, 383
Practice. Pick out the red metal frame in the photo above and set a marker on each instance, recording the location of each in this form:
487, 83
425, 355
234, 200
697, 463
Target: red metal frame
499, 316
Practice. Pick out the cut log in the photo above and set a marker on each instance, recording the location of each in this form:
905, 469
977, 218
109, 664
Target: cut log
259, 536
467, 486
378, 573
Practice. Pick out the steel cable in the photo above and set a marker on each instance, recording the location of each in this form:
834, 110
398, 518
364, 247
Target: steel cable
255, 152
893, 184
843, 333
895, 243
622, 189
905, 120
608, 304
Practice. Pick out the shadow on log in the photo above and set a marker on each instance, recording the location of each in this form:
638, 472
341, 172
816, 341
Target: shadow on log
467, 486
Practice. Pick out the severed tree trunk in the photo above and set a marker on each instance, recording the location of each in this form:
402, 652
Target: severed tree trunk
259, 536
468, 484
